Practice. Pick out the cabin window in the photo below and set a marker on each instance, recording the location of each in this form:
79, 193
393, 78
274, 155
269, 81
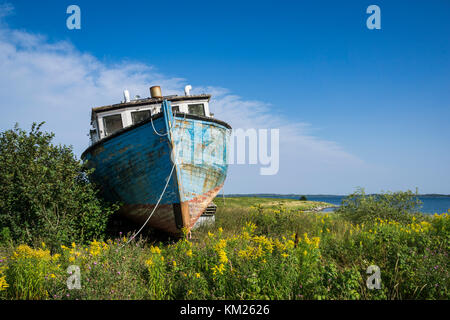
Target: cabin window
112, 123
196, 109
139, 116
176, 109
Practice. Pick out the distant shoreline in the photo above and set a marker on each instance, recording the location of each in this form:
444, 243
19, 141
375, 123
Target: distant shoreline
430, 203
277, 195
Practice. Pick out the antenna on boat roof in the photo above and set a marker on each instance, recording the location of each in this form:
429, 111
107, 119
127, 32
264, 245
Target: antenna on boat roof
187, 90
126, 95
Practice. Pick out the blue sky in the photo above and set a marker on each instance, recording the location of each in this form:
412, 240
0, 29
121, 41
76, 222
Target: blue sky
355, 107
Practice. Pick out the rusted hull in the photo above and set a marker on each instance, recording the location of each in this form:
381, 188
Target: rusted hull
164, 216
198, 205
132, 167
162, 219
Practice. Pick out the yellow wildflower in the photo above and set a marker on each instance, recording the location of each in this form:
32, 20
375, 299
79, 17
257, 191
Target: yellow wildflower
218, 269
242, 253
3, 283
24, 251
316, 241
249, 226
220, 245
149, 262
156, 250
290, 244
223, 256
245, 235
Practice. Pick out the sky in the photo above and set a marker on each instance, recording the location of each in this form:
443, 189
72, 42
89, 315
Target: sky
355, 107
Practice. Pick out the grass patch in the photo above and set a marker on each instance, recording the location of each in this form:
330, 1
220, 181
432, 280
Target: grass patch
257, 249
269, 203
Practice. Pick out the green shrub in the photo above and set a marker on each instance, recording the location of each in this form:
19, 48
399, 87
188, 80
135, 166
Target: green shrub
399, 206
44, 191
5, 235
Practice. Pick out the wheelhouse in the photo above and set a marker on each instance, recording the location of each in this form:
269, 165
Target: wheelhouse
107, 120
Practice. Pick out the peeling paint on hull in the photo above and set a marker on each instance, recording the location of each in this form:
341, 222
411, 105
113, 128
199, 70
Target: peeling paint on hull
132, 167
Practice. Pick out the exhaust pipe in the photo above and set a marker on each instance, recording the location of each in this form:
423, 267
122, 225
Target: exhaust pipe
155, 92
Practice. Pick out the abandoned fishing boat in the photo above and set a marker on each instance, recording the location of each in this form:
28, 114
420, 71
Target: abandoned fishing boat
164, 158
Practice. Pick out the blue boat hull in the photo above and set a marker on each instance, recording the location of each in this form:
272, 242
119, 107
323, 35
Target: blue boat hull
132, 167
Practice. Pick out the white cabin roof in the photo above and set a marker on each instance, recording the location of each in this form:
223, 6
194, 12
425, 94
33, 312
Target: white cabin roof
148, 101
111, 118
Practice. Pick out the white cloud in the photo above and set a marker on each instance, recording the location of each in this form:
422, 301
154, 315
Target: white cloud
56, 83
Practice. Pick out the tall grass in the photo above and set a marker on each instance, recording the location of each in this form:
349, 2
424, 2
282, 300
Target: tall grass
250, 253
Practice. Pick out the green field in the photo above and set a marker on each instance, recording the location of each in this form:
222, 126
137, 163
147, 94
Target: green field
271, 203
257, 249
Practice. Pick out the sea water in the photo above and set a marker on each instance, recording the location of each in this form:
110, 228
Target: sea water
430, 204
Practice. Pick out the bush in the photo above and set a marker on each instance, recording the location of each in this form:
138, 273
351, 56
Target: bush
398, 206
303, 198
5, 235
44, 191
